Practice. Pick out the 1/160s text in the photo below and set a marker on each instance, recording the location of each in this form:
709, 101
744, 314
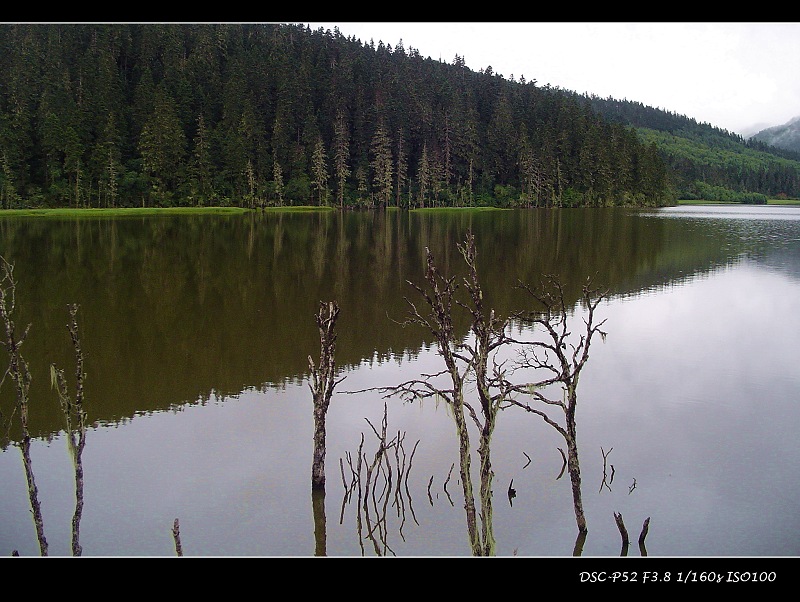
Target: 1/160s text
678, 577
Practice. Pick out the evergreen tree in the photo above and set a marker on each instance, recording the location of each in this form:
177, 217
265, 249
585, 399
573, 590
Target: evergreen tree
423, 177
162, 146
382, 166
341, 156
277, 181
320, 172
401, 168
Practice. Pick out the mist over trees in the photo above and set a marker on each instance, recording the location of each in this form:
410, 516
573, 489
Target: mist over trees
95, 115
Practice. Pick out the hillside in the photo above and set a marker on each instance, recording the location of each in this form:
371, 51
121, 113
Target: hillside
95, 115
703, 158
267, 114
786, 136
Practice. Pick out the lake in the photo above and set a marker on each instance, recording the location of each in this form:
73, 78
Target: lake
196, 332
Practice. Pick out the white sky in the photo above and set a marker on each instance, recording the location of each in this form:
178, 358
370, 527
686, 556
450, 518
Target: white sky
736, 76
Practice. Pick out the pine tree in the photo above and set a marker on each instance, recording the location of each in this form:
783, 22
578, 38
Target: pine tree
201, 164
277, 180
423, 176
341, 156
319, 170
401, 170
382, 166
162, 145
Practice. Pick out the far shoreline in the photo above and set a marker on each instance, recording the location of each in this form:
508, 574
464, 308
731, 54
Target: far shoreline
67, 212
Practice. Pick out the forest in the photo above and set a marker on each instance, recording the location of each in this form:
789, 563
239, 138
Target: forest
257, 115
706, 162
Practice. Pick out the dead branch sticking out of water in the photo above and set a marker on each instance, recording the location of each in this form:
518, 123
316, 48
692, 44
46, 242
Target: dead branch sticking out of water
176, 536
472, 359
606, 483
563, 464
446, 481
623, 533
75, 417
643, 535
561, 360
380, 483
323, 381
19, 373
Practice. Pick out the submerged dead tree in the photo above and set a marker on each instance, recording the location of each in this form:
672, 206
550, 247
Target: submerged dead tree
562, 360
488, 333
19, 373
465, 361
323, 382
75, 422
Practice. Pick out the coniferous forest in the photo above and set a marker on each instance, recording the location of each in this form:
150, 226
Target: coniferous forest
254, 115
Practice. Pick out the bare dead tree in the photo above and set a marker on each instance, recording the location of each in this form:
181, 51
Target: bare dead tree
19, 373
323, 381
438, 320
75, 422
466, 361
562, 361
488, 335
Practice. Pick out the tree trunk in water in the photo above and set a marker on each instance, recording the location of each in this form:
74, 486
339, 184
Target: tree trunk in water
487, 476
322, 385
465, 473
575, 477
318, 465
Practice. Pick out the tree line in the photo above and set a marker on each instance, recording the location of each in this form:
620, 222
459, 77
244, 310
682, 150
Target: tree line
700, 155
110, 115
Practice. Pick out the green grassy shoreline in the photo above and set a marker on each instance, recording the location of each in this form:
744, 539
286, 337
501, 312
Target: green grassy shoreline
146, 211
64, 212
769, 202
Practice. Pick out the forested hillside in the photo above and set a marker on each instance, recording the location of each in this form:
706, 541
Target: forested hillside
254, 115
705, 161
785, 136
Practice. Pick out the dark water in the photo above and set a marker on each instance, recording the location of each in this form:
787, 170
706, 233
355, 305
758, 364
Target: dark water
196, 333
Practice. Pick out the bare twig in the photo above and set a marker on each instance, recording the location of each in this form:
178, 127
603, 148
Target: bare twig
563, 465
606, 483
75, 417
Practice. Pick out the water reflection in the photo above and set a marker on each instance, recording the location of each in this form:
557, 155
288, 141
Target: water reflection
179, 310
197, 333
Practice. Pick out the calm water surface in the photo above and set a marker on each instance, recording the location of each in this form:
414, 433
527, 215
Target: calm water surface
196, 332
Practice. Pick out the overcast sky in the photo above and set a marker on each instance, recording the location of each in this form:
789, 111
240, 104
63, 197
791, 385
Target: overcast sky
735, 76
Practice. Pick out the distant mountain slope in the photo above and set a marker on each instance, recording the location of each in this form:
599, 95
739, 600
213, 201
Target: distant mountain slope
700, 155
785, 136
